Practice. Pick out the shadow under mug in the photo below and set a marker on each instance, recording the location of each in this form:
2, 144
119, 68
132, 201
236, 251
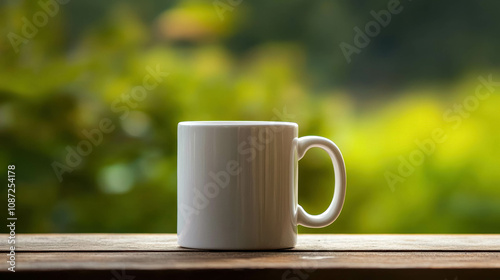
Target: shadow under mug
237, 184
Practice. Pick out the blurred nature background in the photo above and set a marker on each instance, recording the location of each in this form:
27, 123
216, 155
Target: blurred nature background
248, 60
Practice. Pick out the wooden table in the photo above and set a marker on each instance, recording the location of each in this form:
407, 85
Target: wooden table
338, 256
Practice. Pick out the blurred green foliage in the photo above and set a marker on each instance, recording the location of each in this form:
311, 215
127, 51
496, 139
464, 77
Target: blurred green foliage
260, 57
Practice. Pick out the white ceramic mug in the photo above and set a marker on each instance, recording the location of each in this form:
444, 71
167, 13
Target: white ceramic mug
237, 184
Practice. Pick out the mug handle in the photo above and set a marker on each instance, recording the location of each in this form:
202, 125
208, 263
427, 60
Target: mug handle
333, 211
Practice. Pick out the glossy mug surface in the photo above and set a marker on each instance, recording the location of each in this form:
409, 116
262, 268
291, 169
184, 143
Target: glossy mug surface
237, 185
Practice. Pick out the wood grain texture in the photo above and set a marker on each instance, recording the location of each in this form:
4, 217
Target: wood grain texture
307, 242
254, 260
337, 256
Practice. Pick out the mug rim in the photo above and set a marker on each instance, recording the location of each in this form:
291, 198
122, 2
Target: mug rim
236, 123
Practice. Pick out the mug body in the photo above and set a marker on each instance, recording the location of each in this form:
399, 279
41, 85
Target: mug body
237, 185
